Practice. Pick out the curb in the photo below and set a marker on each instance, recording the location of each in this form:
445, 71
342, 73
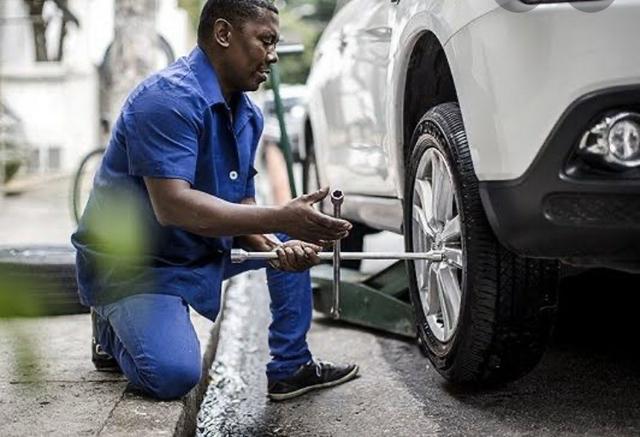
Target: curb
237, 391
187, 422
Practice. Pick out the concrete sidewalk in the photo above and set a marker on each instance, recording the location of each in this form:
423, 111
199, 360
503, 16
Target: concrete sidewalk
56, 390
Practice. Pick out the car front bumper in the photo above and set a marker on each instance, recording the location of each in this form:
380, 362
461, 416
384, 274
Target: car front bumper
549, 212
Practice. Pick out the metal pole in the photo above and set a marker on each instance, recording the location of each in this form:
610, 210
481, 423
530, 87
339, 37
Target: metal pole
3, 163
240, 256
284, 143
337, 197
3, 140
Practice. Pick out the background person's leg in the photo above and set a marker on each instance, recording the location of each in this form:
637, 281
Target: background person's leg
154, 342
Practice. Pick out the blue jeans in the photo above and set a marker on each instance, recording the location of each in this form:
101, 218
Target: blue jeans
152, 338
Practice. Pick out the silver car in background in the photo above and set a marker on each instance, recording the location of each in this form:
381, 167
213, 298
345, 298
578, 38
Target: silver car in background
294, 103
505, 134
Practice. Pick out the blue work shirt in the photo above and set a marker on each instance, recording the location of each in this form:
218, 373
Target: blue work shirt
174, 125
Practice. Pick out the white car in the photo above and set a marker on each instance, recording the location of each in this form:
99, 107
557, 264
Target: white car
503, 134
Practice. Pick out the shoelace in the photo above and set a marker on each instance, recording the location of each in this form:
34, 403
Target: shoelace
320, 365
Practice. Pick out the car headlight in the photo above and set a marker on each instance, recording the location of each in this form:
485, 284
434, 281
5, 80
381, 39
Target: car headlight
624, 142
614, 141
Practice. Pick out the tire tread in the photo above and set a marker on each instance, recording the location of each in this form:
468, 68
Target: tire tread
512, 299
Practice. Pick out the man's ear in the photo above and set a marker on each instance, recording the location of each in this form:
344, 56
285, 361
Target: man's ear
222, 32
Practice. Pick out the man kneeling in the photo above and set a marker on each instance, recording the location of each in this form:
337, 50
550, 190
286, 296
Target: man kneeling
175, 192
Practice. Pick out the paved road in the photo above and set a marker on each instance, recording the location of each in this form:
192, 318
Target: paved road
587, 383
41, 215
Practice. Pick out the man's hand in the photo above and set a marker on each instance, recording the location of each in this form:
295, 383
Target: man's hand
176, 203
300, 220
296, 256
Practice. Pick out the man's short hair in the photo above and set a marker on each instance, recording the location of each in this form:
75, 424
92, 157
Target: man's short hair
235, 12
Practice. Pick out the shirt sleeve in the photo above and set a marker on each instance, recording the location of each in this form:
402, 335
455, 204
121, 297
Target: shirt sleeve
162, 138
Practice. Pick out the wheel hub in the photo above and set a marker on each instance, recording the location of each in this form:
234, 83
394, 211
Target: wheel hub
436, 227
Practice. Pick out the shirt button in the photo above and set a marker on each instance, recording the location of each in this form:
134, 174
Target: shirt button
233, 175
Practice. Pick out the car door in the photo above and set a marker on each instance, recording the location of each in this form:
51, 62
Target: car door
354, 158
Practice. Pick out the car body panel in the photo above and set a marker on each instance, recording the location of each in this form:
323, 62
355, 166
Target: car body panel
515, 74
410, 21
513, 90
352, 126
365, 47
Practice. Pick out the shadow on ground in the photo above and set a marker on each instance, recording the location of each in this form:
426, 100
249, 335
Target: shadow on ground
587, 382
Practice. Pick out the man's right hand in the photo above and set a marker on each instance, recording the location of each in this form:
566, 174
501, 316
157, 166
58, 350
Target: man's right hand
303, 222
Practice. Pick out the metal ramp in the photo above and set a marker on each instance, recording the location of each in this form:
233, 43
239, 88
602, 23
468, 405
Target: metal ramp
378, 301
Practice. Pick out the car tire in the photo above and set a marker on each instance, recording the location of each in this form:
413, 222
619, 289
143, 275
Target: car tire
505, 303
43, 277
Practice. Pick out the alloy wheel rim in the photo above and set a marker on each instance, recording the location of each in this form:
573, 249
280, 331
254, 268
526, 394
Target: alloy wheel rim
436, 226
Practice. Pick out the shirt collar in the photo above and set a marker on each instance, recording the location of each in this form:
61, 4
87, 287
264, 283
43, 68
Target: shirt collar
210, 84
207, 77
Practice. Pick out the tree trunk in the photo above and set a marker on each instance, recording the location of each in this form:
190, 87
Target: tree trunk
132, 57
67, 17
39, 28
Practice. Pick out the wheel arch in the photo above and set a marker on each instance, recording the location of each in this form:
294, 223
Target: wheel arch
428, 82
307, 137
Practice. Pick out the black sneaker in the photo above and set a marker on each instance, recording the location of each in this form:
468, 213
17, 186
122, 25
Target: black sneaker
311, 376
102, 361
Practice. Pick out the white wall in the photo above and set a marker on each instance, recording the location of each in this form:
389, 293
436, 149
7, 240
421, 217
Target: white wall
175, 26
59, 103
58, 107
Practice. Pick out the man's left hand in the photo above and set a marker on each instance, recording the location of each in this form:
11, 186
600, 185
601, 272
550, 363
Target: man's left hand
296, 256
293, 256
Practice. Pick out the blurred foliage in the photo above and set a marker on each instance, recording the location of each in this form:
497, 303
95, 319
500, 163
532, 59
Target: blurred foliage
193, 8
302, 21
26, 362
118, 227
295, 68
18, 297
315, 10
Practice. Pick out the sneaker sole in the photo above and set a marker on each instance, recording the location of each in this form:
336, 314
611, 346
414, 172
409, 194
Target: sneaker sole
102, 361
108, 368
106, 365
294, 394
